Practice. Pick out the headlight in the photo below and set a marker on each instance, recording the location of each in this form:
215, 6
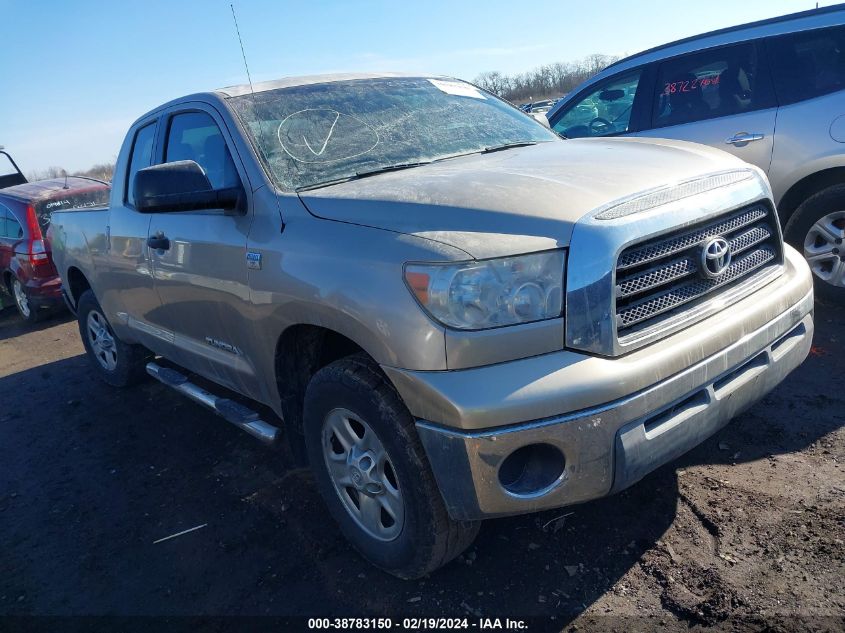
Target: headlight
490, 293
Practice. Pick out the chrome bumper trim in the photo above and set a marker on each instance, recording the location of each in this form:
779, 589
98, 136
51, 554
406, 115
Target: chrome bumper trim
608, 448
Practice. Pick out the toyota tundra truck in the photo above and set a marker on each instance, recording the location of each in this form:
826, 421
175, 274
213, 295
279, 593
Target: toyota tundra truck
453, 313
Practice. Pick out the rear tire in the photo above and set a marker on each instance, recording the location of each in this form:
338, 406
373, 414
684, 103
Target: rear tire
817, 230
117, 363
28, 312
364, 450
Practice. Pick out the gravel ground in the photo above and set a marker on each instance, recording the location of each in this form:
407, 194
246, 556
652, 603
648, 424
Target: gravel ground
746, 532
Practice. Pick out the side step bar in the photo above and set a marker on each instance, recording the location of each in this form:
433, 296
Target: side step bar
231, 411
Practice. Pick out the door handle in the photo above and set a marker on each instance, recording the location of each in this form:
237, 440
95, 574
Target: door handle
740, 138
158, 242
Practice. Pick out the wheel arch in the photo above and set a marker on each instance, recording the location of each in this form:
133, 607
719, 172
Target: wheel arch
77, 283
807, 187
301, 351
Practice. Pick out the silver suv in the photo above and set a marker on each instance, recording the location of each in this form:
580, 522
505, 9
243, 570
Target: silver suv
770, 92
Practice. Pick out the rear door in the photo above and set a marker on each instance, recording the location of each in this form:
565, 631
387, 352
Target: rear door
722, 97
201, 277
808, 68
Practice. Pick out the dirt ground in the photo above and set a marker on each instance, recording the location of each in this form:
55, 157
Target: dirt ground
746, 532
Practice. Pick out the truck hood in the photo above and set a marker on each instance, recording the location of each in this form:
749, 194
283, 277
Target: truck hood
514, 201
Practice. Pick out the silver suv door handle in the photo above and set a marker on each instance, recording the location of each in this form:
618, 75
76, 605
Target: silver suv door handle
743, 137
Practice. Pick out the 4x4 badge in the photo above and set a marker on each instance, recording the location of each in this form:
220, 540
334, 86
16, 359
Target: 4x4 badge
253, 260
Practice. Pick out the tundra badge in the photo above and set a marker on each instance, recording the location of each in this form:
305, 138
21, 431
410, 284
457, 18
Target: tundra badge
253, 260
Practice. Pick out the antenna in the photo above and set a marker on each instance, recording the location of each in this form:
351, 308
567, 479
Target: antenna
243, 53
254, 105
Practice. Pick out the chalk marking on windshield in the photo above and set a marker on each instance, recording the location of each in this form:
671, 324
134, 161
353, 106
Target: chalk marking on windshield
326, 142
333, 160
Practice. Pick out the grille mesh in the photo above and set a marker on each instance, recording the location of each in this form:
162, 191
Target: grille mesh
643, 254
663, 275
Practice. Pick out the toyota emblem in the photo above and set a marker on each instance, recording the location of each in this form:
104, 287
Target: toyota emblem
715, 257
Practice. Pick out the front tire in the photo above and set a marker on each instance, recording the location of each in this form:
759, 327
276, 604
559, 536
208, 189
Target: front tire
371, 470
817, 229
117, 363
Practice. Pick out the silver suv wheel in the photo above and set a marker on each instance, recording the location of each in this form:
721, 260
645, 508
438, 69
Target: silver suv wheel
363, 475
824, 248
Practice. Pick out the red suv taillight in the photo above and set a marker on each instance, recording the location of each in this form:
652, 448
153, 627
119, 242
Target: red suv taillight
37, 249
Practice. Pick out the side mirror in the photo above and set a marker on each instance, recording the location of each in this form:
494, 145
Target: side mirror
181, 186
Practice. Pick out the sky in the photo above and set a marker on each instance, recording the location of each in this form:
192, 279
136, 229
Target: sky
75, 75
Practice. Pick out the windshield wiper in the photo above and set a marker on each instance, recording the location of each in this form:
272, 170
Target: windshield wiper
325, 183
380, 170
362, 174
499, 148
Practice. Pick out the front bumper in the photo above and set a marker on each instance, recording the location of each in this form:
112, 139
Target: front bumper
612, 444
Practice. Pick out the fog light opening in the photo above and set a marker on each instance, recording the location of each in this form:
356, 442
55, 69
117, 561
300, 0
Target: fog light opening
531, 470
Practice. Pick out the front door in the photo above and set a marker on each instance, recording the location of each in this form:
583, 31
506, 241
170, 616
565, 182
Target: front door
720, 97
200, 271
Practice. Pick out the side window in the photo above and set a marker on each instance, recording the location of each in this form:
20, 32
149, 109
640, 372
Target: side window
142, 156
605, 111
709, 84
195, 136
10, 228
808, 64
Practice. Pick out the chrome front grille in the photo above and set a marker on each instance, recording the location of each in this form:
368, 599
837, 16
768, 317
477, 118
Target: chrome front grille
663, 276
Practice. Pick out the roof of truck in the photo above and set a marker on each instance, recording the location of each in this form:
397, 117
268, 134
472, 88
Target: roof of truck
288, 82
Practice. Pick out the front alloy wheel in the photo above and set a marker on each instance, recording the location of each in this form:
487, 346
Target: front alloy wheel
817, 229
371, 470
363, 475
824, 248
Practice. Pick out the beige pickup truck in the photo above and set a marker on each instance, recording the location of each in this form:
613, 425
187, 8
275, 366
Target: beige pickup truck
454, 314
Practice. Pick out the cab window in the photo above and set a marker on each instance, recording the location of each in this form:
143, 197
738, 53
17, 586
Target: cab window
195, 136
808, 64
709, 84
604, 111
142, 156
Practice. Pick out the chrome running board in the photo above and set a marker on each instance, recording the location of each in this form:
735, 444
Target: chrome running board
231, 411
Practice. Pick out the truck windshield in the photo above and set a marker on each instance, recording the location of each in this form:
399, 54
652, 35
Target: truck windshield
318, 134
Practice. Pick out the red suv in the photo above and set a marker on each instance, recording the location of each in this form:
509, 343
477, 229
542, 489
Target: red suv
26, 265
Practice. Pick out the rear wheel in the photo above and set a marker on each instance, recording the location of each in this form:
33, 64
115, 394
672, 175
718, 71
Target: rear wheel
29, 312
118, 363
371, 470
817, 229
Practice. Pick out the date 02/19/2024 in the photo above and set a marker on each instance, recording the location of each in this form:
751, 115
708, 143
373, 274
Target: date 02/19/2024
417, 624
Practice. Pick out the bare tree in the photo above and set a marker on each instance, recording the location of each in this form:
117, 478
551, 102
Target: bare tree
100, 171
544, 82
